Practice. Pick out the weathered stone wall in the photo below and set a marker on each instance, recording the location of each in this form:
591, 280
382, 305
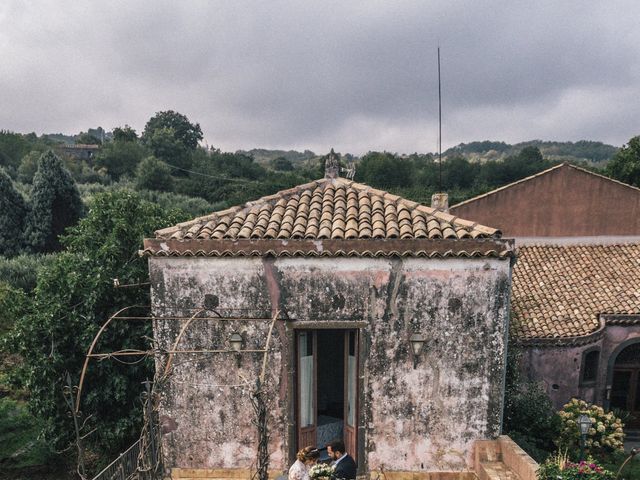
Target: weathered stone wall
411, 419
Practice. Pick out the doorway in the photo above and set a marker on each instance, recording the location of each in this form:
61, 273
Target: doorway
327, 387
625, 386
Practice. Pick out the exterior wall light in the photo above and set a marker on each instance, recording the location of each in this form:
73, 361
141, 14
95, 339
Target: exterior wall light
417, 342
235, 341
584, 423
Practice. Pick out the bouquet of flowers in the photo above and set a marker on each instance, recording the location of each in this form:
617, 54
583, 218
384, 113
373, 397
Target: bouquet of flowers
320, 471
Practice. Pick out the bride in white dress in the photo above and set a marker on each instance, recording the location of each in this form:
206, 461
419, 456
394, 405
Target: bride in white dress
306, 457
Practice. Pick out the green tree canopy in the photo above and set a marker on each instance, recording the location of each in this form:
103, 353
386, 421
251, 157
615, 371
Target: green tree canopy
120, 158
282, 164
74, 296
185, 132
384, 170
172, 138
55, 204
29, 166
154, 174
88, 139
625, 165
13, 146
13, 211
124, 134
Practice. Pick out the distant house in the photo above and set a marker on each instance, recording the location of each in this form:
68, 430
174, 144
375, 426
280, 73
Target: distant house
79, 151
389, 328
563, 201
576, 314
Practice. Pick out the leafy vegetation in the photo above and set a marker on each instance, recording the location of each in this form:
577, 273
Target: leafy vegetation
625, 165
12, 217
55, 204
529, 417
605, 435
73, 297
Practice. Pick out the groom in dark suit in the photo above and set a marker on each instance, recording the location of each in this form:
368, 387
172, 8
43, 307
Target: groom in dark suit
343, 464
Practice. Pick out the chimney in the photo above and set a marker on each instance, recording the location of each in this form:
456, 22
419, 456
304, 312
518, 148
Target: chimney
332, 165
440, 201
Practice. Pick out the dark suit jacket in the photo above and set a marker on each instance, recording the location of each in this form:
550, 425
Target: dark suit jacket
345, 469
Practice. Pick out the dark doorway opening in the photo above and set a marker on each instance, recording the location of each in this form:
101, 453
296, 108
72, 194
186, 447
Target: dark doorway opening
327, 386
625, 387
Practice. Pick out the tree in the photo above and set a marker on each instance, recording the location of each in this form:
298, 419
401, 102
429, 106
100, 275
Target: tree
87, 139
120, 157
124, 134
13, 211
172, 138
625, 165
13, 146
55, 204
282, 164
187, 133
74, 296
154, 174
28, 166
384, 170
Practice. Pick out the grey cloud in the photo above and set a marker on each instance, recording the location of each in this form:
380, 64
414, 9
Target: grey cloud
296, 74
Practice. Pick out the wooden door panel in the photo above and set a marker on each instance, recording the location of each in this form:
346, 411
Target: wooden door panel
351, 392
307, 362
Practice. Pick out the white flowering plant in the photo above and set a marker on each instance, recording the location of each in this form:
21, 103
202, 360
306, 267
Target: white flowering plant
606, 434
320, 470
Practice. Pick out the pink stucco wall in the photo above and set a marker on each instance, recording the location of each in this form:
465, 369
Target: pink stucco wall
410, 419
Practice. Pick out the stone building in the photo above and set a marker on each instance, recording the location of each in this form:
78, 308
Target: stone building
576, 314
389, 321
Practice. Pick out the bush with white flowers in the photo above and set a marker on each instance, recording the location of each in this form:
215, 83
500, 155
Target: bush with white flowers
606, 434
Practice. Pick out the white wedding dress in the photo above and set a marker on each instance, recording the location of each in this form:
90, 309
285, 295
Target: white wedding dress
298, 471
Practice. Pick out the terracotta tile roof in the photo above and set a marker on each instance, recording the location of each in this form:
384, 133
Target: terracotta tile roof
328, 209
330, 217
560, 291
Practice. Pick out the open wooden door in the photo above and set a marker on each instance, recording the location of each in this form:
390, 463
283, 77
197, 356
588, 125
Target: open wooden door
351, 392
307, 366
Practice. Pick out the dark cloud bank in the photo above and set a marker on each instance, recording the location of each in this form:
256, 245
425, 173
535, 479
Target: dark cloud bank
353, 75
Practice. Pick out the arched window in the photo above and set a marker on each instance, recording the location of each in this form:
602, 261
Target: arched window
589, 370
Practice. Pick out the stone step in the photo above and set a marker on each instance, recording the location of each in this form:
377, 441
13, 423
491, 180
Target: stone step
496, 471
216, 474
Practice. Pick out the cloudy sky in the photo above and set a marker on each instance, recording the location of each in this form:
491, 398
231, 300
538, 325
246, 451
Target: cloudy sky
353, 75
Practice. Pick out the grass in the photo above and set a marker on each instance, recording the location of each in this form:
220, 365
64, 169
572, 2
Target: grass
631, 470
20, 446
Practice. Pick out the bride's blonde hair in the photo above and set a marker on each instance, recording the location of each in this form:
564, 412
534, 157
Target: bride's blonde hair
307, 453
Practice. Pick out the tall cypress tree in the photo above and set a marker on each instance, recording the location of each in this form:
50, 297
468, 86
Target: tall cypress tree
55, 204
13, 212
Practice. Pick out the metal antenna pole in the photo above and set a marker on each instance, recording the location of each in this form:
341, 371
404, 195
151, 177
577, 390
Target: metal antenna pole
439, 121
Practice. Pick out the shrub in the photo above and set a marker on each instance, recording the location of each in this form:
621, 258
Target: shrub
529, 416
22, 271
560, 468
604, 436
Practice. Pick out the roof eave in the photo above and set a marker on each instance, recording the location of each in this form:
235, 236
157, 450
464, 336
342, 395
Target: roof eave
479, 247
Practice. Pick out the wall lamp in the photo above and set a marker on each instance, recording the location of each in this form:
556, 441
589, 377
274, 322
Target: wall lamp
417, 342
